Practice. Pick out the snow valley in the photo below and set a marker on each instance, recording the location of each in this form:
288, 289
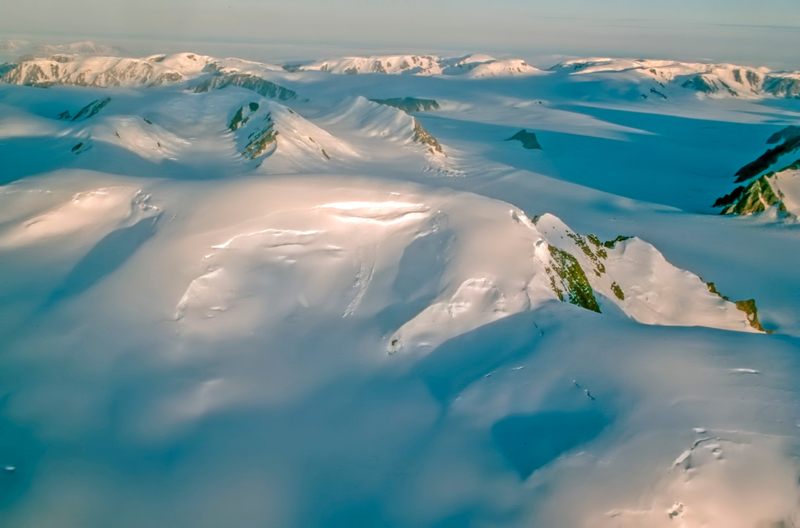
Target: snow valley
401, 290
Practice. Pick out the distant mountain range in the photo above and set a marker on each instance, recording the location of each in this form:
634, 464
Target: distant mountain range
89, 64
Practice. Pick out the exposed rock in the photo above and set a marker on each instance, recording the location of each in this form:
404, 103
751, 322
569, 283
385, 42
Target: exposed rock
748, 307
787, 133
91, 109
707, 85
250, 82
528, 140
766, 160
242, 116
569, 281
5, 68
260, 140
782, 86
756, 198
422, 136
409, 104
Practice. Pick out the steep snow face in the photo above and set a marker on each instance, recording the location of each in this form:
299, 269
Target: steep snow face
713, 80
374, 119
107, 71
134, 134
471, 66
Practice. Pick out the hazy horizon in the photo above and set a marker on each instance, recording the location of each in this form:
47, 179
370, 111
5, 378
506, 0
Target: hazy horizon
705, 30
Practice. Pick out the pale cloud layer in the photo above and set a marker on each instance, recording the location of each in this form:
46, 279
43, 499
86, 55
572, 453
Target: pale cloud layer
766, 32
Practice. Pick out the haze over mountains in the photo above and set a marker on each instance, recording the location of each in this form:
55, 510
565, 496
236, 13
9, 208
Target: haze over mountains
403, 290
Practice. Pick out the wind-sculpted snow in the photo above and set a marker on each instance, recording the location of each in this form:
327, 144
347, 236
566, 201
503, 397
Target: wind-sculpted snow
86, 213
378, 119
251, 82
229, 307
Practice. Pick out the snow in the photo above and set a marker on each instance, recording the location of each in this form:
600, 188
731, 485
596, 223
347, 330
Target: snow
339, 332
471, 66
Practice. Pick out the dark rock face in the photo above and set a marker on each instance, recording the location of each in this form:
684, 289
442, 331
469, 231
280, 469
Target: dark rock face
91, 109
755, 198
528, 140
708, 86
409, 104
763, 192
787, 133
422, 136
5, 68
766, 160
250, 82
782, 87
260, 140
700, 84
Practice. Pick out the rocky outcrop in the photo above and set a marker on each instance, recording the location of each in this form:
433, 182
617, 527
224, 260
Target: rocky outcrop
250, 82
409, 104
528, 140
87, 111
260, 140
782, 86
772, 176
422, 137
768, 159
787, 134
242, 116
707, 85
587, 272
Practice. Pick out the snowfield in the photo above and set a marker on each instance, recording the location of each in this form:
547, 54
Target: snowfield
397, 291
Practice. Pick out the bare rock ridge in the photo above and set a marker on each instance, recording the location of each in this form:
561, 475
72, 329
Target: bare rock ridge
409, 104
88, 111
528, 140
250, 82
774, 179
422, 137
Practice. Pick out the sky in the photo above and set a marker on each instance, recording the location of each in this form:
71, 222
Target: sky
763, 32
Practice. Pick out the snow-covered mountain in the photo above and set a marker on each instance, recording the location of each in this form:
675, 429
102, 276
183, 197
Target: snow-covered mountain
241, 294
107, 71
474, 66
713, 80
